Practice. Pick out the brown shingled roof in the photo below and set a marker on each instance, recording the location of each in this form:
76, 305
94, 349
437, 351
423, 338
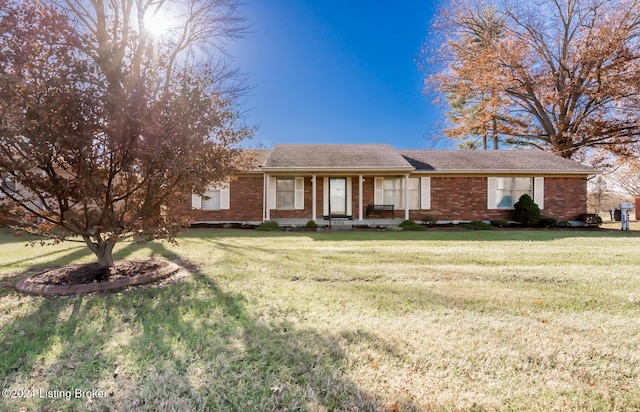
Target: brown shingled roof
336, 156
492, 161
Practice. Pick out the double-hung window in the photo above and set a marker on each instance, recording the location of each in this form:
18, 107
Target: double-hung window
213, 198
285, 193
509, 190
391, 191
504, 192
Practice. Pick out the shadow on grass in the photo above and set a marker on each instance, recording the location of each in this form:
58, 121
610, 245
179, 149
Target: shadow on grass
189, 345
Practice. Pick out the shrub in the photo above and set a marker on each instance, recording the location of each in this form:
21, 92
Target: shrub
477, 225
499, 223
311, 225
590, 219
563, 223
526, 211
429, 220
411, 225
547, 221
268, 226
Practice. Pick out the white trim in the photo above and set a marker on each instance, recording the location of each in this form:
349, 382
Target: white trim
360, 211
378, 187
538, 191
406, 197
265, 196
272, 194
196, 201
299, 193
314, 198
492, 201
425, 192
349, 197
325, 196
225, 197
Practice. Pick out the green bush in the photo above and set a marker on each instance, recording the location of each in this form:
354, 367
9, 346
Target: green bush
411, 225
477, 225
547, 221
563, 223
429, 220
311, 225
268, 226
526, 211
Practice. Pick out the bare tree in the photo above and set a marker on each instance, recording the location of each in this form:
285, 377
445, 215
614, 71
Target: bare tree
105, 124
564, 74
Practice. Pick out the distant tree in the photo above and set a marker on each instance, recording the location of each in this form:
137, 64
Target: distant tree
475, 98
103, 125
626, 180
598, 192
560, 75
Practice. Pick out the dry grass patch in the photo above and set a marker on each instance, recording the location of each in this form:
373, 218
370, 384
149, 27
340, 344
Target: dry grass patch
522, 320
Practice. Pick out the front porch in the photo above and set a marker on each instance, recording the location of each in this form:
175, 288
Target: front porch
361, 198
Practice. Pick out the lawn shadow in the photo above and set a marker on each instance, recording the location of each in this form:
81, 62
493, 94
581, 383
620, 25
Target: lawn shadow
190, 345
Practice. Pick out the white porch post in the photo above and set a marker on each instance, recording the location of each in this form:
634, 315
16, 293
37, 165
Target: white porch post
267, 212
406, 197
313, 198
360, 216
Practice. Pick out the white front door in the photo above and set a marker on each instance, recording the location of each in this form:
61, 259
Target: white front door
338, 196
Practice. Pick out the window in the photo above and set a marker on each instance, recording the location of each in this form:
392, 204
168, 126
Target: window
211, 199
285, 193
509, 190
504, 192
214, 198
390, 191
393, 194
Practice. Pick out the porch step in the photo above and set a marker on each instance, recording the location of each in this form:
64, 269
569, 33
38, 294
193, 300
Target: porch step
341, 224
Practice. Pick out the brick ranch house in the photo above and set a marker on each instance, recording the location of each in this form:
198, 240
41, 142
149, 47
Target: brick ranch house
374, 183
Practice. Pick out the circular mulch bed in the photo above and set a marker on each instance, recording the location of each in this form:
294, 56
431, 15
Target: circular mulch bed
90, 277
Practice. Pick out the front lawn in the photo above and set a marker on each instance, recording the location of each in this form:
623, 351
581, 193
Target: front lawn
487, 320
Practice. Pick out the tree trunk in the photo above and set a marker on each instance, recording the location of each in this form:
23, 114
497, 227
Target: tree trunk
103, 249
105, 259
495, 133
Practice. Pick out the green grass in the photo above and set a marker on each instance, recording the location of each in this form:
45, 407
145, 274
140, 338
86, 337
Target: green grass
434, 320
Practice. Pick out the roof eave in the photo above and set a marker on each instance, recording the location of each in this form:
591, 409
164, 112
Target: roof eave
537, 172
338, 170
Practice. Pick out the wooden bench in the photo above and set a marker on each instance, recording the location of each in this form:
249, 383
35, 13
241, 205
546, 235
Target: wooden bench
376, 209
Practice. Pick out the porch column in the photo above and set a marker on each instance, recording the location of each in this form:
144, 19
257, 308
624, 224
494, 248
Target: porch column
406, 197
313, 198
360, 216
267, 212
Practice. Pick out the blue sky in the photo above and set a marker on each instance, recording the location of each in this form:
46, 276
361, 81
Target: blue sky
329, 71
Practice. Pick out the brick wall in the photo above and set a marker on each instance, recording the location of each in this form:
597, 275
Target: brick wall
565, 197
245, 206
463, 198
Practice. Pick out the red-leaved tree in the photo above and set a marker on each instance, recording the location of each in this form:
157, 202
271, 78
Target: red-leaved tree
103, 123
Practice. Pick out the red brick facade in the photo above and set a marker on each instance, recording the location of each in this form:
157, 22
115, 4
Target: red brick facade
452, 197
246, 197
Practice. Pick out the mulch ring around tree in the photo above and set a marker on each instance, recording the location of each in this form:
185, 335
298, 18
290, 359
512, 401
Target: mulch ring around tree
90, 277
